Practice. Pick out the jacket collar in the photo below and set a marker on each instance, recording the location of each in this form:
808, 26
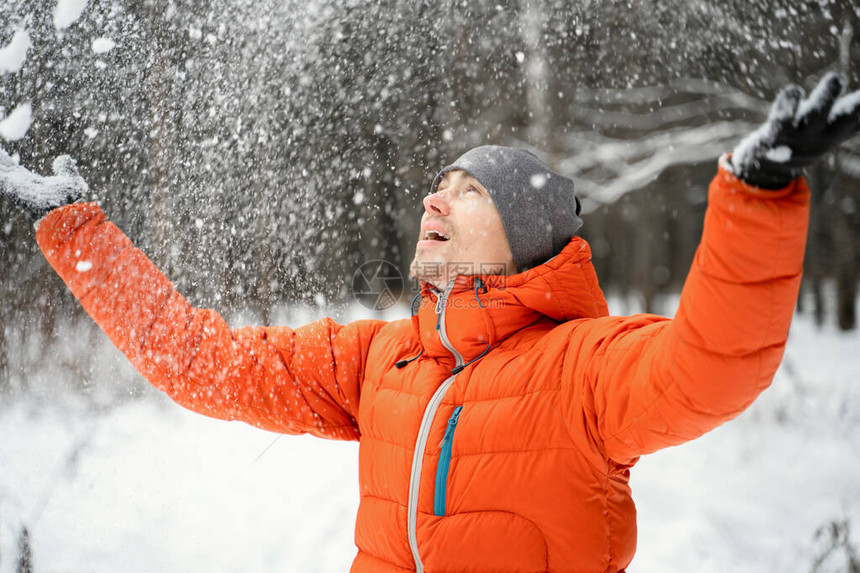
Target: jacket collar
564, 288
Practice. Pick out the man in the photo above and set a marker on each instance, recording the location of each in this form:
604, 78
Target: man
498, 426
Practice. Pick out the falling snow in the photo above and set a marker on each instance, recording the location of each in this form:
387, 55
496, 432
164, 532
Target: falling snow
15, 125
14, 54
538, 180
260, 151
103, 45
67, 12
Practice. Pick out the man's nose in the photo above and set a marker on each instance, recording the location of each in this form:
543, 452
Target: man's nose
436, 203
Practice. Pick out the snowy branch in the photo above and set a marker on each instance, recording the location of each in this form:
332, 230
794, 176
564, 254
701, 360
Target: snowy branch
650, 94
605, 169
660, 116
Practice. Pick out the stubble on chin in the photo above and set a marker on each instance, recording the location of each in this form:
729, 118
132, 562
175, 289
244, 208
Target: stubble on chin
431, 270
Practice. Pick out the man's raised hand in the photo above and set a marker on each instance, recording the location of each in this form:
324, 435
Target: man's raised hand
36, 194
797, 133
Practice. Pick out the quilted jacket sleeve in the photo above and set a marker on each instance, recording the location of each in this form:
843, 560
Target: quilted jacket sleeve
655, 382
280, 379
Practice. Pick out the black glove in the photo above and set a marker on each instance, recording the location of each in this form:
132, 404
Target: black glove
797, 133
39, 195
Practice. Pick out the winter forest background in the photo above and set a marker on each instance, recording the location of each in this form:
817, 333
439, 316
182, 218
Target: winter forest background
260, 151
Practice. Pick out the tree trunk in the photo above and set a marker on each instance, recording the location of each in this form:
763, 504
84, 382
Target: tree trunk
846, 246
25, 553
535, 63
4, 362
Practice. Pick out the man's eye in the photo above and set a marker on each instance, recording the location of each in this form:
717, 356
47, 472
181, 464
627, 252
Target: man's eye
472, 190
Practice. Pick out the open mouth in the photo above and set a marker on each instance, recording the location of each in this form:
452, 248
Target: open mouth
435, 236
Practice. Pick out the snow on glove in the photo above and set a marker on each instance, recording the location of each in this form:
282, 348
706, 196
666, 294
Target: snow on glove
39, 195
797, 133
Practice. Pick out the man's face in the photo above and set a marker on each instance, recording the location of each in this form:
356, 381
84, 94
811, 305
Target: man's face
461, 233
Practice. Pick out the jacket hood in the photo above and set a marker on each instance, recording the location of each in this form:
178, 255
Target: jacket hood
564, 288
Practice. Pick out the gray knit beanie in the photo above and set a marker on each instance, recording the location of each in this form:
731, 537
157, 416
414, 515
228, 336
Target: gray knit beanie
538, 207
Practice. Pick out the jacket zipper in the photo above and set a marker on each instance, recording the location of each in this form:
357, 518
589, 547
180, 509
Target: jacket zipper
424, 431
444, 464
441, 306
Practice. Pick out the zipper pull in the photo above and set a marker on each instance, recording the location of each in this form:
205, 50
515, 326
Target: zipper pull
452, 424
440, 308
455, 417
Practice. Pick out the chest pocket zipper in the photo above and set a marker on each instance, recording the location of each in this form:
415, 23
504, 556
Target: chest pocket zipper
444, 464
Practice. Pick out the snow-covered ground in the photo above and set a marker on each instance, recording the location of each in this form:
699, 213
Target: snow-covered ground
149, 487
146, 486
750, 496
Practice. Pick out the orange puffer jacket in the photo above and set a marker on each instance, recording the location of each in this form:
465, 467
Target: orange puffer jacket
506, 444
